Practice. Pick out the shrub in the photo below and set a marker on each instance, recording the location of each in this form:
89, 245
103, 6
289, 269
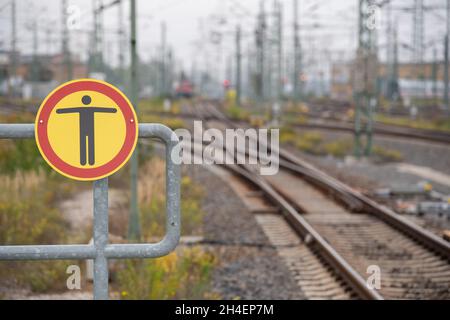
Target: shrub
28, 216
184, 274
20, 155
339, 148
386, 155
237, 113
152, 201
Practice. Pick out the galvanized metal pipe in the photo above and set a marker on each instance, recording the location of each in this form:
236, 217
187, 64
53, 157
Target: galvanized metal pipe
101, 251
47, 252
101, 235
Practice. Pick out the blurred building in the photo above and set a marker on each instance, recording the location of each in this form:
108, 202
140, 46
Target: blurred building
341, 81
424, 80
37, 75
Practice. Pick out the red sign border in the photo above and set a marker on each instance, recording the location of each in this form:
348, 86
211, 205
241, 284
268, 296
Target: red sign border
86, 173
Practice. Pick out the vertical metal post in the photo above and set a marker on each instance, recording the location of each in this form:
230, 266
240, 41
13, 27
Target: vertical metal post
250, 76
65, 42
446, 64
434, 74
120, 33
101, 239
238, 65
261, 59
13, 48
134, 231
365, 82
297, 56
279, 51
34, 67
162, 66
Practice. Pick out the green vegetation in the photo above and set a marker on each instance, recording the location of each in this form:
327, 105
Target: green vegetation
28, 215
23, 154
20, 155
237, 113
313, 143
338, 148
152, 201
308, 142
438, 124
386, 155
156, 105
172, 123
18, 117
184, 274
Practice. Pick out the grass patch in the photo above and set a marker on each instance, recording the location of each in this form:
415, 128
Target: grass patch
184, 274
237, 113
308, 142
338, 148
386, 155
442, 124
312, 142
28, 215
153, 206
20, 155
172, 123
157, 105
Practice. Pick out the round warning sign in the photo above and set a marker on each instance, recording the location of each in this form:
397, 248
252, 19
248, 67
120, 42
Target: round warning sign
86, 129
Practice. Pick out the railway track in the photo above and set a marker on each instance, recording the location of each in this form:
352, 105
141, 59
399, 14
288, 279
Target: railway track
343, 234
330, 117
320, 123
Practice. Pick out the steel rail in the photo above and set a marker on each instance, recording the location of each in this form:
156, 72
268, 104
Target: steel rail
378, 128
345, 193
311, 237
323, 180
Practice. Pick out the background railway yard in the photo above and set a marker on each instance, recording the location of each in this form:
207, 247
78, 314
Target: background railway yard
357, 119
313, 230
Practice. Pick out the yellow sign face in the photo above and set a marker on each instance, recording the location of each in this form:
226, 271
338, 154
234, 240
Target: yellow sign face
86, 129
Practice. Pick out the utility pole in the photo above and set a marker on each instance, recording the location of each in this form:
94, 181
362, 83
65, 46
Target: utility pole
389, 52
65, 42
260, 47
392, 88
396, 90
13, 74
434, 73
446, 64
250, 92
169, 71
162, 66
48, 39
365, 77
121, 42
34, 67
238, 65
96, 64
279, 85
134, 230
297, 56
418, 44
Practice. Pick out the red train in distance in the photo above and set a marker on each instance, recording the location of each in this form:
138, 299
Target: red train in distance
185, 89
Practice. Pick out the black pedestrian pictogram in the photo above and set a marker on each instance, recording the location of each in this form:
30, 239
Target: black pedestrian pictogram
86, 127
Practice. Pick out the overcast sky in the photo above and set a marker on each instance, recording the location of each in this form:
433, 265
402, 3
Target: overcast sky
190, 21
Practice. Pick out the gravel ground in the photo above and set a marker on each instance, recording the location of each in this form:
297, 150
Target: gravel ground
249, 266
367, 176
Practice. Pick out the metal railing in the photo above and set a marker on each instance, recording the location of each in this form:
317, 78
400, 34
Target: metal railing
100, 251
